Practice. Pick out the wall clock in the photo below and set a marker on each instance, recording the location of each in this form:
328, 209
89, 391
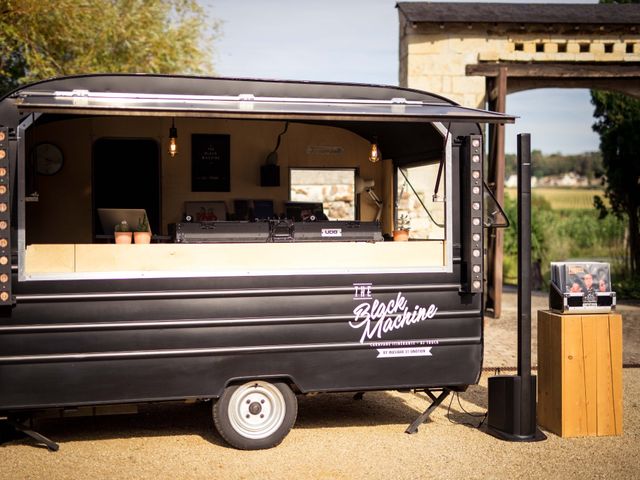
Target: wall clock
49, 159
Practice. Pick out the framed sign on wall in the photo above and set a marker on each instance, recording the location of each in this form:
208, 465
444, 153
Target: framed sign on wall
210, 163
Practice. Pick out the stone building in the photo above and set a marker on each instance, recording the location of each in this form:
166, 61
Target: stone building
451, 48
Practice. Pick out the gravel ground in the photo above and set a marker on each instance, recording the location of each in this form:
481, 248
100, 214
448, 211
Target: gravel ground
335, 437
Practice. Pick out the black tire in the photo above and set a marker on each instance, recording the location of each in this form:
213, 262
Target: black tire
255, 415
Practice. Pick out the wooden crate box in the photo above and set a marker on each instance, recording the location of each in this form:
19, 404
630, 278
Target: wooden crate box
580, 374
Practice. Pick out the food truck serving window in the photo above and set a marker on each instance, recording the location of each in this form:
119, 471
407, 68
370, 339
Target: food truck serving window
352, 204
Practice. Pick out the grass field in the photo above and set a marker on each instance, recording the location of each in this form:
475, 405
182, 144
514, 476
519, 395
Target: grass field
565, 198
566, 226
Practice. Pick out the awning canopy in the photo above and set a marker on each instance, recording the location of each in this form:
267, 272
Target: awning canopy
248, 105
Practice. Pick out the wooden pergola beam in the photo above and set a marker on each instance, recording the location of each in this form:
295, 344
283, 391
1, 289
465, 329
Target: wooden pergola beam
522, 76
540, 70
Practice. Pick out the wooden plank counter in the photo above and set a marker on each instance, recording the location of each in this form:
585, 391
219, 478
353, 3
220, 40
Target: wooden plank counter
580, 374
231, 259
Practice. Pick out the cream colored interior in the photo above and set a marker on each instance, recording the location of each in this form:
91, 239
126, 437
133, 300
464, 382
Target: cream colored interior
58, 226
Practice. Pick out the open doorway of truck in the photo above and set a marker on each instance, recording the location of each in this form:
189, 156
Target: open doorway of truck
126, 174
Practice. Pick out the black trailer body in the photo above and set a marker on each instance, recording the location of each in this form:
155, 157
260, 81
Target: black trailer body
88, 322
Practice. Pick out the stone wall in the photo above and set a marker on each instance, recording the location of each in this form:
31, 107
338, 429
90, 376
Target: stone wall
333, 188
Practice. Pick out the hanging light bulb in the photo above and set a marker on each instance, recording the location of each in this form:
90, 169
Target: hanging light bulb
374, 153
173, 139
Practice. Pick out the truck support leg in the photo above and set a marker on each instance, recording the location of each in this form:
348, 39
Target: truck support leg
435, 402
20, 427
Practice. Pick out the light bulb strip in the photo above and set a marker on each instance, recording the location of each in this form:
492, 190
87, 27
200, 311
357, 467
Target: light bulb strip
6, 297
472, 208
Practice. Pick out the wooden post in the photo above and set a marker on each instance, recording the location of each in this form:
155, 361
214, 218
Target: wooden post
496, 182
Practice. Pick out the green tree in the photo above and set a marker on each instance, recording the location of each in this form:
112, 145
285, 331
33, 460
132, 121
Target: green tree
587, 164
42, 39
618, 123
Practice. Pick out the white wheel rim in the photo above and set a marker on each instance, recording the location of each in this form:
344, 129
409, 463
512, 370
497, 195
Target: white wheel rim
256, 410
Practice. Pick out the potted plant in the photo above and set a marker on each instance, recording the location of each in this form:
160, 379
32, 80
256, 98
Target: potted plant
401, 233
143, 231
123, 233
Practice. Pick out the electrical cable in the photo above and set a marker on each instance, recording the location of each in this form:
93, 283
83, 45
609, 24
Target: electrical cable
441, 166
286, 127
468, 424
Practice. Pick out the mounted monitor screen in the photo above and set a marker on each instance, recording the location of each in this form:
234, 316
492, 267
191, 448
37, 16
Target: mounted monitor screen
263, 209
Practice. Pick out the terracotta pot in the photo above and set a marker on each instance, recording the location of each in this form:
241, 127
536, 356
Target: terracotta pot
123, 237
400, 235
142, 237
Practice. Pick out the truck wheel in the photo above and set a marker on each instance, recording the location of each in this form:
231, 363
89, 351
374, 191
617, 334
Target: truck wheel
255, 415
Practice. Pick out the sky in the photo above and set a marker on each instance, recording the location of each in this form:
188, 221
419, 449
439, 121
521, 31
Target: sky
357, 41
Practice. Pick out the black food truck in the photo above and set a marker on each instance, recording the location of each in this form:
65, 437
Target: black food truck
276, 266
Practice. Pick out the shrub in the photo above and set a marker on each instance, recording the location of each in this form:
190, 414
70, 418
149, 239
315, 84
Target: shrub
541, 217
627, 287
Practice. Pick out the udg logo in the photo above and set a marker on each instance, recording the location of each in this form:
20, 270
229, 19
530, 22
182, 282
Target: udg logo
331, 232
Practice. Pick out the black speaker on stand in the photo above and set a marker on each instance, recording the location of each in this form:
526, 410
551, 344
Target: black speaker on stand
512, 399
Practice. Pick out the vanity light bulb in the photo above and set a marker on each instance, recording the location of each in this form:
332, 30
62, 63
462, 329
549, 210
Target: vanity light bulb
476, 253
475, 158
374, 154
476, 174
3, 171
476, 284
3, 153
173, 147
476, 205
475, 143
4, 296
4, 278
4, 243
476, 221
476, 190
173, 139
476, 269
2, 137
476, 237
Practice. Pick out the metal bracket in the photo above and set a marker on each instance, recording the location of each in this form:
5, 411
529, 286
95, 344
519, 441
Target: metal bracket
435, 402
50, 444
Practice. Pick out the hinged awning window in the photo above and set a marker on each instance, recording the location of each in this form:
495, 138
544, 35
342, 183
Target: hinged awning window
248, 105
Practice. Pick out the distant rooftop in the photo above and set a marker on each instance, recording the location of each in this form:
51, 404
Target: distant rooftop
523, 13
